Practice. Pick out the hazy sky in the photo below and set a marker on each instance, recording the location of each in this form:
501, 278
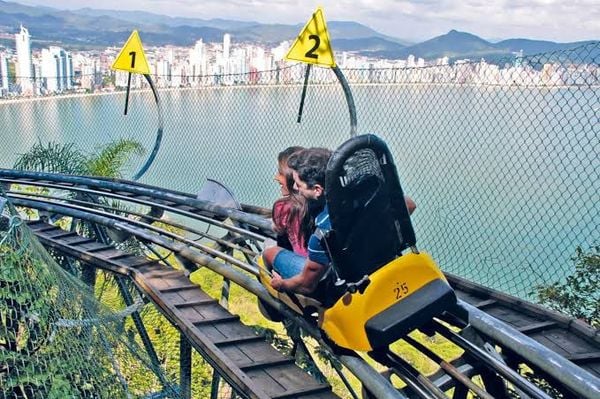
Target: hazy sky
557, 20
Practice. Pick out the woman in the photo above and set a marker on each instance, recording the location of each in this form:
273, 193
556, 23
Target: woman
291, 221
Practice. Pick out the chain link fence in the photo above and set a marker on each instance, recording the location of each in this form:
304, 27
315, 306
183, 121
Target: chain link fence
501, 159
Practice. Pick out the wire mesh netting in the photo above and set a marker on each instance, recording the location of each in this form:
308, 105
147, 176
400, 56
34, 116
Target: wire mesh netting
60, 339
56, 341
501, 159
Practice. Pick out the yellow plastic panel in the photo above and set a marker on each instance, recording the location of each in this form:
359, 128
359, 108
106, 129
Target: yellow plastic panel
345, 322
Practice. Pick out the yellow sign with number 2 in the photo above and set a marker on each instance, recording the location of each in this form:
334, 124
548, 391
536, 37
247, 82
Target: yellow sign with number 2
313, 45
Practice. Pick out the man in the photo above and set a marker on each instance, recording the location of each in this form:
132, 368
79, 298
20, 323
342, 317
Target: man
292, 272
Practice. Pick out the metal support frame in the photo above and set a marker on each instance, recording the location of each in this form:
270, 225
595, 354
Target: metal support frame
492, 364
139, 324
492, 381
463, 382
137, 319
581, 382
214, 385
185, 367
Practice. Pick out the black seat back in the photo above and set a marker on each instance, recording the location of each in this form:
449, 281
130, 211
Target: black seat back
369, 219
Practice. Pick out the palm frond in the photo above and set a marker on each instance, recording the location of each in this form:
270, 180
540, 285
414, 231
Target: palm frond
52, 157
112, 158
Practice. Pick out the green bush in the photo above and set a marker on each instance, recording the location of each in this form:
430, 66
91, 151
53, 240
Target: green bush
579, 294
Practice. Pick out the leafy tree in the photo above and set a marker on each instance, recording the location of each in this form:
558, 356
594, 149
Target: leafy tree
579, 295
108, 161
52, 157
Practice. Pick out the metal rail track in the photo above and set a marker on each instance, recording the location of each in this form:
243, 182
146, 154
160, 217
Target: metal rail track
246, 361
577, 342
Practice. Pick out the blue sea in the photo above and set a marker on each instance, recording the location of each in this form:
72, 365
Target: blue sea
506, 180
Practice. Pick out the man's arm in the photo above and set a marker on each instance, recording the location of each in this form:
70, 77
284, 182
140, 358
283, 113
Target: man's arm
303, 283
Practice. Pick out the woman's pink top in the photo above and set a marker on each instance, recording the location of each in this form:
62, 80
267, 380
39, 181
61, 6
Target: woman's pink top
291, 228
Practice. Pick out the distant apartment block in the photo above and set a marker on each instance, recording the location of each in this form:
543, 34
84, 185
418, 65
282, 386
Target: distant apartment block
24, 66
3, 74
56, 70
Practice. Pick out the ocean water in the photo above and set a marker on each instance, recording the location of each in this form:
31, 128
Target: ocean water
506, 180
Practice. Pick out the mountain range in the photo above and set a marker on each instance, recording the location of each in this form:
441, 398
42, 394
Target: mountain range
88, 28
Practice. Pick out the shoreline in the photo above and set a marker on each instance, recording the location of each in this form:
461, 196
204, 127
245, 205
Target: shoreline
278, 86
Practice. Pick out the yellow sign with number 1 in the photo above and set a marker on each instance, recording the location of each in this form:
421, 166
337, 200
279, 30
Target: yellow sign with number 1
132, 57
313, 45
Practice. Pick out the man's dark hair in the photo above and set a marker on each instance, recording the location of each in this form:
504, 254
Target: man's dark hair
311, 164
285, 154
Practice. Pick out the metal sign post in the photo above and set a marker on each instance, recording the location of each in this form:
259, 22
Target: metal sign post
313, 47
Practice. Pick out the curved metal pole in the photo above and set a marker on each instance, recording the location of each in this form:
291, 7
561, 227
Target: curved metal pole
159, 132
349, 99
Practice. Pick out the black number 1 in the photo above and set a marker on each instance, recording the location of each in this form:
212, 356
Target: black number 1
132, 54
311, 53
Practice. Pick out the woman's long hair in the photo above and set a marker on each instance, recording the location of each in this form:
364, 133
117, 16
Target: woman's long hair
296, 205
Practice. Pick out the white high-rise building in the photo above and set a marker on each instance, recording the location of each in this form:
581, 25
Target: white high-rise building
89, 68
197, 61
24, 69
226, 45
280, 51
3, 74
49, 71
89, 71
258, 59
56, 69
163, 73
66, 65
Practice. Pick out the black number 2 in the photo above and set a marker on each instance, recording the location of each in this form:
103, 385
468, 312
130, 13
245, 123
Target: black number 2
311, 53
132, 54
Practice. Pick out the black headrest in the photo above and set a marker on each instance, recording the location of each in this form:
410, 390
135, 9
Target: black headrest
359, 170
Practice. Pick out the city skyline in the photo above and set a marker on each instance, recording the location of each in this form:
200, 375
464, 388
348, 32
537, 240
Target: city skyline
54, 70
409, 20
